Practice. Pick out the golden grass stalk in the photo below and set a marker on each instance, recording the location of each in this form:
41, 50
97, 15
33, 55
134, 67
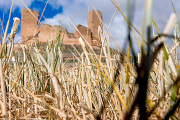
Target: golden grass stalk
167, 30
91, 70
107, 79
4, 107
54, 80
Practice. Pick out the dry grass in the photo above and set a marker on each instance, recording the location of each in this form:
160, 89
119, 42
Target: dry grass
36, 84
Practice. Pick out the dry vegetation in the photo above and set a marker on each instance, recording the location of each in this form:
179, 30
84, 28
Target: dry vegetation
36, 84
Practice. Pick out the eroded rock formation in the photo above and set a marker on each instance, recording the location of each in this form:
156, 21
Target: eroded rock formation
30, 31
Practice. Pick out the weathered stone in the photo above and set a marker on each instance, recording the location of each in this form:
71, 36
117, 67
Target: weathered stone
85, 32
72, 35
63, 48
29, 25
48, 32
45, 33
94, 22
96, 42
30, 29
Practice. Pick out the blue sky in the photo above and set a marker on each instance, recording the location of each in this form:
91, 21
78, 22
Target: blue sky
57, 10
37, 5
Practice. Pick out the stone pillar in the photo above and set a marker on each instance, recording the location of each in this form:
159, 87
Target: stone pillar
93, 23
86, 33
29, 25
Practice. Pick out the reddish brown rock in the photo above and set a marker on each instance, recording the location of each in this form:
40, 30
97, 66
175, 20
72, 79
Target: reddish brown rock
29, 25
96, 42
85, 32
30, 30
47, 32
94, 22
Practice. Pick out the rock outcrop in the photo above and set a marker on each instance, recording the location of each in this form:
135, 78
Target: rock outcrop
29, 25
85, 32
47, 32
30, 31
93, 23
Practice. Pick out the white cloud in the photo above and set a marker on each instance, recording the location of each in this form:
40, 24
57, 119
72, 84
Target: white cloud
55, 20
78, 11
57, 3
6, 4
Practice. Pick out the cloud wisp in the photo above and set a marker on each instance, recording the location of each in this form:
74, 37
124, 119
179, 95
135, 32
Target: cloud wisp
6, 4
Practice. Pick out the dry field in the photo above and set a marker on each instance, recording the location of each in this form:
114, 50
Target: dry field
36, 84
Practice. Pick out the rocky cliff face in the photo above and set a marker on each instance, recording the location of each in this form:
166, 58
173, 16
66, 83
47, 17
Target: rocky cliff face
30, 31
